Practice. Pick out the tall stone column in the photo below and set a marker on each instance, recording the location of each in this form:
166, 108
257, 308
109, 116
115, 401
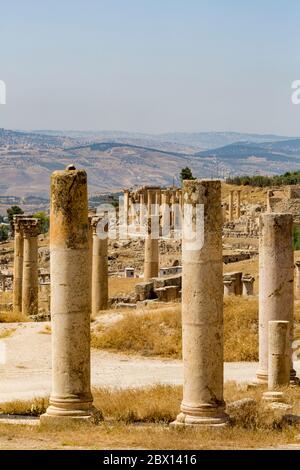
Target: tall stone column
276, 276
202, 306
238, 204
18, 265
157, 201
30, 288
279, 360
165, 213
3, 282
231, 206
142, 210
126, 207
297, 279
71, 397
151, 261
173, 202
269, 195
99, 265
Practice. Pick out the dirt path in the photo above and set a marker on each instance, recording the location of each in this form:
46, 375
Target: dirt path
27, 369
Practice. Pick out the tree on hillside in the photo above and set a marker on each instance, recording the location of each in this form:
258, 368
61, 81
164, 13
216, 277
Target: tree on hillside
44, 221
13, 210
3, 233
186, 174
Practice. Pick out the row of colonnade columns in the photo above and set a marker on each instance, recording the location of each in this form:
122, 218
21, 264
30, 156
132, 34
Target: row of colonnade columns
202, 300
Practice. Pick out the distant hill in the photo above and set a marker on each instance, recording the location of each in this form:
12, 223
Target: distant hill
200, 140
27, 159
286, 150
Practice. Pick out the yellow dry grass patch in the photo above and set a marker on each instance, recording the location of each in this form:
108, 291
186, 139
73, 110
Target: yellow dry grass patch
147, 332
156, 331
121, 285
9, 316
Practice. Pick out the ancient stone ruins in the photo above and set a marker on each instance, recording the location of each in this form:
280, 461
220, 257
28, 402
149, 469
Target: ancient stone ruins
197, 219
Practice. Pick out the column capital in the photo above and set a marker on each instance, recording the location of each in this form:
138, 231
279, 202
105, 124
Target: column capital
30, 226
17, 221
95, 220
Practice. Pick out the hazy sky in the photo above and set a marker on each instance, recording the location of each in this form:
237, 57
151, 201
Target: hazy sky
150, 65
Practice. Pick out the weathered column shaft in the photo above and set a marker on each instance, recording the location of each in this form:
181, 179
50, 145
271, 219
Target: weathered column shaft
18, 269
151, 263
279, 360
30, 267
202, 306
231, 206
276, 275
165, 212
126, 207
70, 298
297, 279
142, 211
238, 204
100, 268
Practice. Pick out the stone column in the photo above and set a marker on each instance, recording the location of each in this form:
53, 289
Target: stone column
18, 265
297, 279
231, 206
238, 204
30, 288
279, 360
165, 212
3, 282
276, 276
150, 202
142, 210
126, 207
151, 263
157, 201
269, 195
99, 265
248, 285
202, 307
173, 202
71, 397
248, 225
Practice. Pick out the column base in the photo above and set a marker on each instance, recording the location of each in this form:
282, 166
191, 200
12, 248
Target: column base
64, 416
273, 397
217, 420
262, 378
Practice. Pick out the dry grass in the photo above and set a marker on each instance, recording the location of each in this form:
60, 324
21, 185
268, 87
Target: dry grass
121, 285
240, 329
9, 316
6, 332
156, 331
13, 317
255, 426
150, 333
